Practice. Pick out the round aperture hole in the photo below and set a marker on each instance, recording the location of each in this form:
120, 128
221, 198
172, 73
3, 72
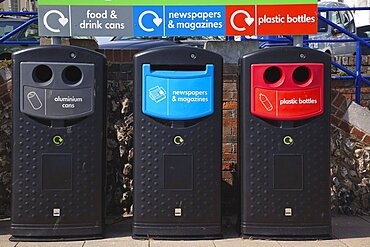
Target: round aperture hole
72, 75
42, 73
301, 75
272, 74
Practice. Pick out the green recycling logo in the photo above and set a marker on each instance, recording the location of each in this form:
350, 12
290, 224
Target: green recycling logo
288, 140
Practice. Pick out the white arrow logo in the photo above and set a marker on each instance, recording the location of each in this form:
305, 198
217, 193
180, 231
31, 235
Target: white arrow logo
248, 20
62, 20
157, 21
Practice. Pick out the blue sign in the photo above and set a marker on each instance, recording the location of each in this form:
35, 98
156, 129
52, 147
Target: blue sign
179, 21
149, 21
177, 95
195, 21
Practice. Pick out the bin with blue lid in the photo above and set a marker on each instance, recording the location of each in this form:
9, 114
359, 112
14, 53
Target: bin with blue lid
178, 134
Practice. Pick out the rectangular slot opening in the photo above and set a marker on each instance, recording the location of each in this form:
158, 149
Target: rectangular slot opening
177, 67
178, 171
288, 172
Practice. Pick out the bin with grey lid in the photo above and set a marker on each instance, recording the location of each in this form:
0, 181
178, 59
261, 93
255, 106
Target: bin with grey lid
177, 163
58, 143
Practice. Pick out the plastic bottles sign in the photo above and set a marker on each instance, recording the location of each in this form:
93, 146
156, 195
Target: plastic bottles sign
176, 18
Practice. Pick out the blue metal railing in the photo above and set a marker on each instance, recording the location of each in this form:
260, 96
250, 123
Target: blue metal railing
359, 41
34, 19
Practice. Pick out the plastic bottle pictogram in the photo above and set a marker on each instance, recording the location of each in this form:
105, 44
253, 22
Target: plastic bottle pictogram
266, 102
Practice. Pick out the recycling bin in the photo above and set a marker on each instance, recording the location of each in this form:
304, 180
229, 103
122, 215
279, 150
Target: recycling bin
58, 143
284, 110
178, 133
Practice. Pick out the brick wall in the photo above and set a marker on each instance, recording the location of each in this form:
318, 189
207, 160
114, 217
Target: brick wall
230, 123
339, 106
346, 87
348, 90
350, 63
344, 91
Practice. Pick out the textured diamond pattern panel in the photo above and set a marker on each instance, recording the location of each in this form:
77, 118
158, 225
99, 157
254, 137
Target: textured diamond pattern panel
155, 204
32, 202
263, 203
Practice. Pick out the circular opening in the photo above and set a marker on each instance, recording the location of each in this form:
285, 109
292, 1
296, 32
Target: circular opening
301, 75
42, 73
72, 75
272, 74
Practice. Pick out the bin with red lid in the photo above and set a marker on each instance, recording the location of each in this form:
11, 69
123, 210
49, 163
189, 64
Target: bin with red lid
284, 110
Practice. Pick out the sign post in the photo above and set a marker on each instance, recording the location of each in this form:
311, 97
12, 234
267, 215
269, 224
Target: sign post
175, 18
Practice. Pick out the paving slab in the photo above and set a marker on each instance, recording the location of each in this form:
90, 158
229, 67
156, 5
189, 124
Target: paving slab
7, 243
123, 241
323, 243
4, 237
199, 243
236, 242
51, 244
4, 234
4, 240
352, 231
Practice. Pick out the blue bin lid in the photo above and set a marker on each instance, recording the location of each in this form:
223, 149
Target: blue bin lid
177, 95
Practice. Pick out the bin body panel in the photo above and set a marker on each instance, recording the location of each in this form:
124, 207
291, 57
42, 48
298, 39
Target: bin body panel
58, 150
177, 171
285, 161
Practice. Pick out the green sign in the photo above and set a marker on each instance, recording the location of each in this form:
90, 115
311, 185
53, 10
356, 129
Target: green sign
171, 2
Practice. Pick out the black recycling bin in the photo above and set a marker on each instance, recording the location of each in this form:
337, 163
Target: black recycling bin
58, 143
177, 163
284, 149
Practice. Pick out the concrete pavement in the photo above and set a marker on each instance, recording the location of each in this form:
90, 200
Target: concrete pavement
347, 232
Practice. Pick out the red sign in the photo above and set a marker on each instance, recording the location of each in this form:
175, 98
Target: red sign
287, 105
241, 20
271, 19
287, 98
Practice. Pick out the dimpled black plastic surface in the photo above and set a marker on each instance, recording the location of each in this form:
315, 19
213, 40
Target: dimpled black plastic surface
82, 206
263, 207
153, 204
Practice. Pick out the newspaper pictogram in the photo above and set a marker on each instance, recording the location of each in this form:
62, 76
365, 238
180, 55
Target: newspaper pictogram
157, 94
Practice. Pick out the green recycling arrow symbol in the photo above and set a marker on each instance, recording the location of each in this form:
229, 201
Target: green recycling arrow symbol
288, 140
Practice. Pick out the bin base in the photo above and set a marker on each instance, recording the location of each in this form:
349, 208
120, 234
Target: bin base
286, 232
46, 234
188, 232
